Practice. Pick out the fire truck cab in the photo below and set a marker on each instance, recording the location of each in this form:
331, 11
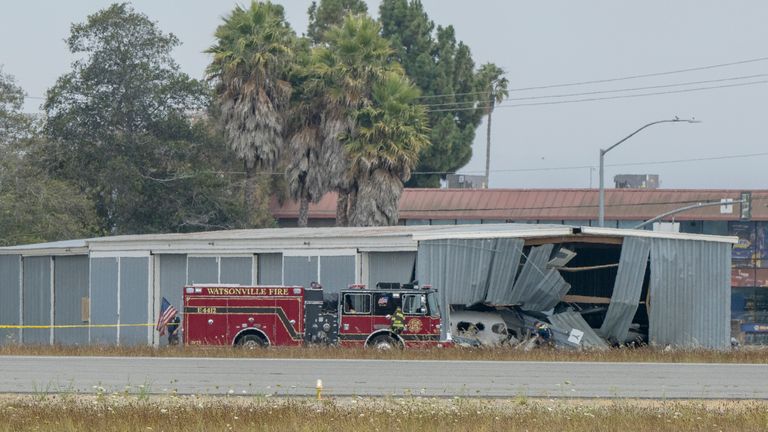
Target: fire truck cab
258, 316
365, 316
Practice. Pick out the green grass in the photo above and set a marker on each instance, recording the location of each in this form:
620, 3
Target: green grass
645, 354
125, 413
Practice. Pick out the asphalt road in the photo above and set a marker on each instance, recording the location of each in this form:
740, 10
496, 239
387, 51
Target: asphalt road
280, 377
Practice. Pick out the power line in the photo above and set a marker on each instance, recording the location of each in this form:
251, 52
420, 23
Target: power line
575, 167
605, 98
600, 81
610, 91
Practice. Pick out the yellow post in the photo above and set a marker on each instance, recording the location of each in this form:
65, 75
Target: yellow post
319, 388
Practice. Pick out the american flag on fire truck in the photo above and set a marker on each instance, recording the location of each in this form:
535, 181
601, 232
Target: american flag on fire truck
167, 312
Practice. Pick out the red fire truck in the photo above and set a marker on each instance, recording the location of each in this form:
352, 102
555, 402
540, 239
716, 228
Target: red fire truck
258, 316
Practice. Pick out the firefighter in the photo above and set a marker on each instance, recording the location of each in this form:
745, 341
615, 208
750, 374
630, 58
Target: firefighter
398, 321
173, 331
543, 333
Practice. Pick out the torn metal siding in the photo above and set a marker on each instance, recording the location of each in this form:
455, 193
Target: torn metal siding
461, 266
534, 269
690, 293
506, 260
457, 268
547, 293
565, 321
627, 289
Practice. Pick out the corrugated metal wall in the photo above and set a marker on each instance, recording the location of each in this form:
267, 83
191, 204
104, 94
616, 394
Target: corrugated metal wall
690, 293
37, 299
70, 287
10, 272
134, 298
390, 267
458, 268
336, 272
300, 270
627, 289
504, 269
236, 270
104, 279
532, 273
172, 278
202, 270
270, 269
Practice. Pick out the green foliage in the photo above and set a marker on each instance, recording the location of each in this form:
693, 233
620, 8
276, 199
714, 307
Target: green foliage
252, 59
444, 71
33, 206
330, 13
13, 123
119, 128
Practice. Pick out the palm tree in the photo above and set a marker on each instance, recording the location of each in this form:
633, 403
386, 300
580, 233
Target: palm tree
383, 150
307, 176
492, 80
354, 58
251, 60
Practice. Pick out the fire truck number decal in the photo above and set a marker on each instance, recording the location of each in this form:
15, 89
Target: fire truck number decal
206, 310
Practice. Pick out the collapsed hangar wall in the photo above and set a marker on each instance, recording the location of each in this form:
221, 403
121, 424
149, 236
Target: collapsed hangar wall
689, 287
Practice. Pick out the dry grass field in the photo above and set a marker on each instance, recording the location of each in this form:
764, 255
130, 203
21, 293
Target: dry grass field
122, 412
644, 354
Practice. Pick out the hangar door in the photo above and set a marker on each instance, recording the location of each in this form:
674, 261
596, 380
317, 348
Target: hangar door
335, 270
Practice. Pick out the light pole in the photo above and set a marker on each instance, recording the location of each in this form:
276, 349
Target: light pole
602, 156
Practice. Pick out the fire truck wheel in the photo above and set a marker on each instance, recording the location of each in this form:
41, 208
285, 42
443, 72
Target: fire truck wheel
252, 341
384, 342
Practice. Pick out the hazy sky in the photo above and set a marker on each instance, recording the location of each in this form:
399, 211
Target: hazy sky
539, 44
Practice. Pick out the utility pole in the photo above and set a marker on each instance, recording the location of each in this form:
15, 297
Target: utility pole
488, 140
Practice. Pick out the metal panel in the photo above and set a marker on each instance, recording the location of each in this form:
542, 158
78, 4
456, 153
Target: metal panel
337, 272
627, 288
300, 270
134, 277
457, 268
104, 272
10, 272
390, 267
37, 299
202, 270
547, 293
270, 269
173, 277
236, 270
534, 270
690, 293
568, 320
506, 260
70, 287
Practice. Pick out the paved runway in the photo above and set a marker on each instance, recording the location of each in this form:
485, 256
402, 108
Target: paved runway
21, 374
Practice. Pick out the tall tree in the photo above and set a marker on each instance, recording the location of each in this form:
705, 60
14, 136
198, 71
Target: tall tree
353, 59
251, 63
33, 206
109, 121
307, 176
444, 71
384, 148
330, 13
497, 90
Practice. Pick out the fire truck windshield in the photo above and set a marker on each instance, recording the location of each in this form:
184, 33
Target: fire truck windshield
434, 305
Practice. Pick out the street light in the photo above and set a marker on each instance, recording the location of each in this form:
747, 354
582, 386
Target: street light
602, 156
